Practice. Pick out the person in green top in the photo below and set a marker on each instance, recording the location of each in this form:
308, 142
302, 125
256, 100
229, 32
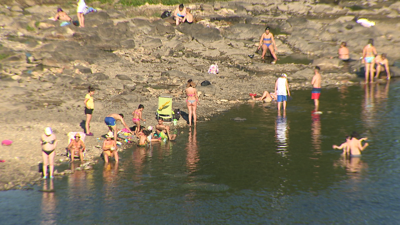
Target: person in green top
89, 107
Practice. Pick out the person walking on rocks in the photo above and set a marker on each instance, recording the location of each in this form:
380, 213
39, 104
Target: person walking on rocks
316, 91
192, 101
282, 90
267, 41
111, 122
80, 11
89, 107
49, 144
368, 58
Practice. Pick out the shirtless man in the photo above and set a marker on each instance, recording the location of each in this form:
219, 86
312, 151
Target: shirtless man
160, 127
355, 146
381, 61
316, 91
111, 122
344, 146
76, 145
61, 15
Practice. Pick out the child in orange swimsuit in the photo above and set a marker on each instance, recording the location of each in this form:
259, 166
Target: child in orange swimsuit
137, 116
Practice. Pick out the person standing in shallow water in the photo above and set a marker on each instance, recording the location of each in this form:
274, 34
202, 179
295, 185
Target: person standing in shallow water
282, 90
192, 101
368, 58
49, 144
89, 107
267, 41
316, 91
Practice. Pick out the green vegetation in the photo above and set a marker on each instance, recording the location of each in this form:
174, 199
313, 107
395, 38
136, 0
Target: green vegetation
142, 2
29, 28
3, 56
37, 23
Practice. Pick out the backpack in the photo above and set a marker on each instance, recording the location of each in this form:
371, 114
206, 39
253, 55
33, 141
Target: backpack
166, 14
205, 83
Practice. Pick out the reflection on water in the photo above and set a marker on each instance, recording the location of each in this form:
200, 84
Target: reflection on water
228, 172
48, 214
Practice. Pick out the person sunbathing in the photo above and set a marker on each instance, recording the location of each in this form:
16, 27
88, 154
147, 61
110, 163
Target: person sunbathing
76, 146
266, 97
61, 15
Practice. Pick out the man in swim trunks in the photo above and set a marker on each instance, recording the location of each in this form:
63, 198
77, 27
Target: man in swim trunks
382, 63
161, 128
49, 144
111, 122
76, 145
316, 91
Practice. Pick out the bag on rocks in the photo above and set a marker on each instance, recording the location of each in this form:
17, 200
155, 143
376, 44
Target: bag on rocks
213, 69
205, 83
177, 114
165, 14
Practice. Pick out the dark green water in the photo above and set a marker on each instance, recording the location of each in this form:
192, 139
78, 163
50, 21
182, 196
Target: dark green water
264, 170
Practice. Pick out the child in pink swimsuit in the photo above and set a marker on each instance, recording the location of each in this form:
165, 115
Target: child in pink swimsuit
137, 116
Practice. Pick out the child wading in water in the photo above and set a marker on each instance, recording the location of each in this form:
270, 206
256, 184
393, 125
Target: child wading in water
143, 140
353, 145
137, 116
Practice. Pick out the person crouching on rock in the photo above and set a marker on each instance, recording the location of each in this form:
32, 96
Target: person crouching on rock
61, 15
382, 63
49, 144
189, 17
267, 41
110, 147
179, 14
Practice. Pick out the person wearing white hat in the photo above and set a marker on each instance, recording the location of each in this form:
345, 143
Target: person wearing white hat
282, 91
49, 144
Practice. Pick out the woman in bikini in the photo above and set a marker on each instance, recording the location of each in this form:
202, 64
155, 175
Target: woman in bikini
49, 144
179, 14
137, 116
368, 58
267, 41
192, 101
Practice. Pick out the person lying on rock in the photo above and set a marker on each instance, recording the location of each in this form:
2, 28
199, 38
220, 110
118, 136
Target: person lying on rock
61, 15
266, 97
382, 63
76, 146
179, 14
189, 17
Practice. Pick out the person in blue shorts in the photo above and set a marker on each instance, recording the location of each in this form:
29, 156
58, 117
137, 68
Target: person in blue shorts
111, 122
282, 91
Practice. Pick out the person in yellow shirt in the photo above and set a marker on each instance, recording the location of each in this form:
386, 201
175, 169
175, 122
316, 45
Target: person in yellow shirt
89, 107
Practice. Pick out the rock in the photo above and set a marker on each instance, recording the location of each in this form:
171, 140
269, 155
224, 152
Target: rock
85, 70
200, 33
395, 6
322, 8
344, 19
42, 9
98, 76
152, 43
128, 44
43, 25
130, 87
244, 31
16, 8
123, 77
327, 63
209, 91
206, 7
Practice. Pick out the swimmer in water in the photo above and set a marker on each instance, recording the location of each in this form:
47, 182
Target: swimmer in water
344, 146
368, 58
267, 42
355, 145
382, 64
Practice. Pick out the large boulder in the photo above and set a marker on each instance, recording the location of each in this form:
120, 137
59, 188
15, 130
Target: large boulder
200, 33
244, 31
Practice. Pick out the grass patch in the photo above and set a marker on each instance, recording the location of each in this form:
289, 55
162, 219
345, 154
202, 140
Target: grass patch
3, 56
142, 2
37, 23
29, 28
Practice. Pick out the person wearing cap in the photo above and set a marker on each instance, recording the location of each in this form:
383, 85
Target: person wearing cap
267, 42
49, 144
111, 122
76, 145
282, 91
61, 15
110, 147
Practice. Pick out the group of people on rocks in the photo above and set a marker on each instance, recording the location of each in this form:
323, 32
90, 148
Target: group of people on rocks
76, 146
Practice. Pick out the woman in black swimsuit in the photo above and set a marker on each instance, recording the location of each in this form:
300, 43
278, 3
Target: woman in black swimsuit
49, 144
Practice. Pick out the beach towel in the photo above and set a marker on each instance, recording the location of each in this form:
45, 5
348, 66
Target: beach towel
65, 23
89, 10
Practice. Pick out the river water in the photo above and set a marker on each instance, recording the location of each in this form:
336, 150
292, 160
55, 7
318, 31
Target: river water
267, 169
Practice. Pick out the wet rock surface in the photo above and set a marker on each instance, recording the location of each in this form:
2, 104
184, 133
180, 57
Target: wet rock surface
132, 58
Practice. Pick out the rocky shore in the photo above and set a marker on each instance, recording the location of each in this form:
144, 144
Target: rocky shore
132, 56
